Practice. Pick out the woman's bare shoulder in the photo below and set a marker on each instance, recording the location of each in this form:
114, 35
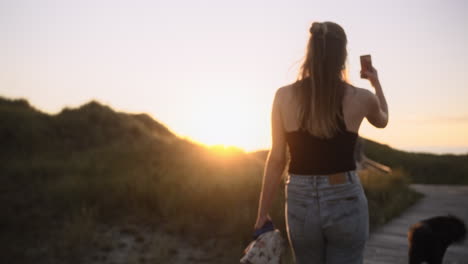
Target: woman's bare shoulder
287, 88
285, 92
360, 94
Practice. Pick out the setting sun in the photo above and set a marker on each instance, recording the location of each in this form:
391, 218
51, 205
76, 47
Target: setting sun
229, 119
210, 76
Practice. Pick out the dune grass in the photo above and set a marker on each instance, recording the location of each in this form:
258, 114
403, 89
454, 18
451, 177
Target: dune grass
64, 177
388, 195
424, 168
188, 191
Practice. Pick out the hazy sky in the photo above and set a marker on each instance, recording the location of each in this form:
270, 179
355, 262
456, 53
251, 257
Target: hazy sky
209, 69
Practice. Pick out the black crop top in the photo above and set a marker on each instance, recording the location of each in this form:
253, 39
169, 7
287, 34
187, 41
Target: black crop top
314, 155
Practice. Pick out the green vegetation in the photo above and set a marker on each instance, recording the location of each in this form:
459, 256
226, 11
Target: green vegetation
387, 195
64, 177
422, 167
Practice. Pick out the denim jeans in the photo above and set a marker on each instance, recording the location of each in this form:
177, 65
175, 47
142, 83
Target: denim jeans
326, 223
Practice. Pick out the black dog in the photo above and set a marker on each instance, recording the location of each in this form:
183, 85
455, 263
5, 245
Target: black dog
428, 239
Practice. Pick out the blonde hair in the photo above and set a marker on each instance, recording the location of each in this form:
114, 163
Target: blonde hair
321, 80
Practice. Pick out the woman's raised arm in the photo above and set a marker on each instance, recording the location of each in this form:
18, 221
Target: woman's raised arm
377, 110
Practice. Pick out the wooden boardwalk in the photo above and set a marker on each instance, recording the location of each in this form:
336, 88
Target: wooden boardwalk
389, 244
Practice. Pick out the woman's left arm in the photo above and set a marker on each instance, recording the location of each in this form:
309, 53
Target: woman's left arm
275, 164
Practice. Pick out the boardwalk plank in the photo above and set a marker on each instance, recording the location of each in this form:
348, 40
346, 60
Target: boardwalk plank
389, 243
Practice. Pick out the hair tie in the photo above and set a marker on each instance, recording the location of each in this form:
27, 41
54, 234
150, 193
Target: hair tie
314, 28
317, 27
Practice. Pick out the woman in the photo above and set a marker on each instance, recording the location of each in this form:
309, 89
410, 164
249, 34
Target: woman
318, 119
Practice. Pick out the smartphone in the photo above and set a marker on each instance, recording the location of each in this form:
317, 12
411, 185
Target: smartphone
366, 65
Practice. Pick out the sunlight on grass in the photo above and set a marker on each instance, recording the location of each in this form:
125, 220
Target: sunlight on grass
92, 168
225, 150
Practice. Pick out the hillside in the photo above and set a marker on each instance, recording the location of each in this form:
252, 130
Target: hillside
83, 168
68, 180
26, 131
422, 167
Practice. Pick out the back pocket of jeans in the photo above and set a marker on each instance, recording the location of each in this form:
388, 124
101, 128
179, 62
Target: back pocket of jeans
346, 198
344, 207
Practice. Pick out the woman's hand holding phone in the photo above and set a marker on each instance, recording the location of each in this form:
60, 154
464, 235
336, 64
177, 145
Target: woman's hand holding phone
372, 76
368, 71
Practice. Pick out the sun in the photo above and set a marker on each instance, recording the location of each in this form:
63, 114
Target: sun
225, 150
227, 123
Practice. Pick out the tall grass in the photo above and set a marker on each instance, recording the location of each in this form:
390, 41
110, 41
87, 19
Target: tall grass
189, 191
387, 194
422, 167
93, 167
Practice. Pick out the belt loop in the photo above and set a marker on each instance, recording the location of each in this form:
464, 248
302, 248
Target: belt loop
350, 176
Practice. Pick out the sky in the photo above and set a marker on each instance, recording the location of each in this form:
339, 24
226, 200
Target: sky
208, 69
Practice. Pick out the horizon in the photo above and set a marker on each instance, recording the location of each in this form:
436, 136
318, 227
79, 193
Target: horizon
437, 150
210, 76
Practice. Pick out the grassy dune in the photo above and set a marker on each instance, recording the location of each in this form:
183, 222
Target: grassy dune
422, 167
66, 177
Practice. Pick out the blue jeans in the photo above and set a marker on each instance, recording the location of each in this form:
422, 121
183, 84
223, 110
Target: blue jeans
326, 223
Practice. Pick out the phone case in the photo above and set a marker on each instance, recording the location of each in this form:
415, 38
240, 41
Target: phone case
366, 64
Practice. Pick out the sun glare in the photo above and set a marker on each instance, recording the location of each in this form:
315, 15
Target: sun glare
227, 122
225, 150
